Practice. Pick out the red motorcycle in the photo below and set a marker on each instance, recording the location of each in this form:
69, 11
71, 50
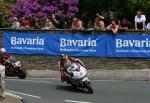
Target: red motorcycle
13, 68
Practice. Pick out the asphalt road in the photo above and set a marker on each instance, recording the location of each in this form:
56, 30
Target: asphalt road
53, 91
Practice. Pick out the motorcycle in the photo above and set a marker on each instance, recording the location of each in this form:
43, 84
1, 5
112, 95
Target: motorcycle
13, 68
79, 77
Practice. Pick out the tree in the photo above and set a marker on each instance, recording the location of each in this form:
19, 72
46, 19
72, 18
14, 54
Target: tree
122, 8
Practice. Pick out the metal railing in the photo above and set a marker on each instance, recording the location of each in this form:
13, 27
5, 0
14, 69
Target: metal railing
71, 31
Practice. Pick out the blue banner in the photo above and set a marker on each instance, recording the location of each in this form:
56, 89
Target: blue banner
128, 45
55, 44
78, 44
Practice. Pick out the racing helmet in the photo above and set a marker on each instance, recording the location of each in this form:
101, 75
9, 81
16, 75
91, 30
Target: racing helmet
64, 56
3, 50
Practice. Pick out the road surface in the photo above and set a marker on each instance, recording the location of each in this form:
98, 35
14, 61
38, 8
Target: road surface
53, 91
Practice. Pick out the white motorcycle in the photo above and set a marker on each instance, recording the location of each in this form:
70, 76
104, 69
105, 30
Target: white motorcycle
79, 77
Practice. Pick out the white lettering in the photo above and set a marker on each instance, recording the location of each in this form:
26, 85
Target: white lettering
27, 41
67, 42
118, 43
132, 43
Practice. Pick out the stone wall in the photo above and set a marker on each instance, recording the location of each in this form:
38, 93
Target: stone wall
51, 62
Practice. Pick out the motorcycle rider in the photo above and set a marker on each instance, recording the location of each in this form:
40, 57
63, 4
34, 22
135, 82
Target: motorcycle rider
3, 58
66, 62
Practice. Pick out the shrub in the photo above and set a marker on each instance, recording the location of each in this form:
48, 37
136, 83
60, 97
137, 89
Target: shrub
44, 8
5, 13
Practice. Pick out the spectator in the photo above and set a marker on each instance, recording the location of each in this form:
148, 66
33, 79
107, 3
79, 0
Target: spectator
25, 23
124, 25
99, 24
148, 25
77, 24
15, 24
85, 18
59, 20
108, 19
114, 26
68, 23
36, 24
140, 21
2, 82
2, 75
48, 24
101, 17
0, 23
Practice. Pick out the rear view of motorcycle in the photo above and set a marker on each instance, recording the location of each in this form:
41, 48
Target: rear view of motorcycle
78, 77
13, 68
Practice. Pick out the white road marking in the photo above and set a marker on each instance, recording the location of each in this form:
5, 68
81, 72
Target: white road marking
105, 80
72, 101
13, 95
45, 78
30, 81
23, 94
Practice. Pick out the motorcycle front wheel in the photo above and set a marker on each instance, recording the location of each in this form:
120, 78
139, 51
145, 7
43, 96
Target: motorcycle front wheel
89, 87
21, 74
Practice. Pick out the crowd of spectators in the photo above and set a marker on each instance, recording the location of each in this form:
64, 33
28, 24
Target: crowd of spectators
110, 22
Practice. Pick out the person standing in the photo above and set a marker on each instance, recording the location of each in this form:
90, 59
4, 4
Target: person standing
140, 20
2, 82
148, 25
2, 74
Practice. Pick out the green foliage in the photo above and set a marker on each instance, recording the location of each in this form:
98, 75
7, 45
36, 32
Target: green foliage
4, 4
122, 8
5, 13
144, 5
